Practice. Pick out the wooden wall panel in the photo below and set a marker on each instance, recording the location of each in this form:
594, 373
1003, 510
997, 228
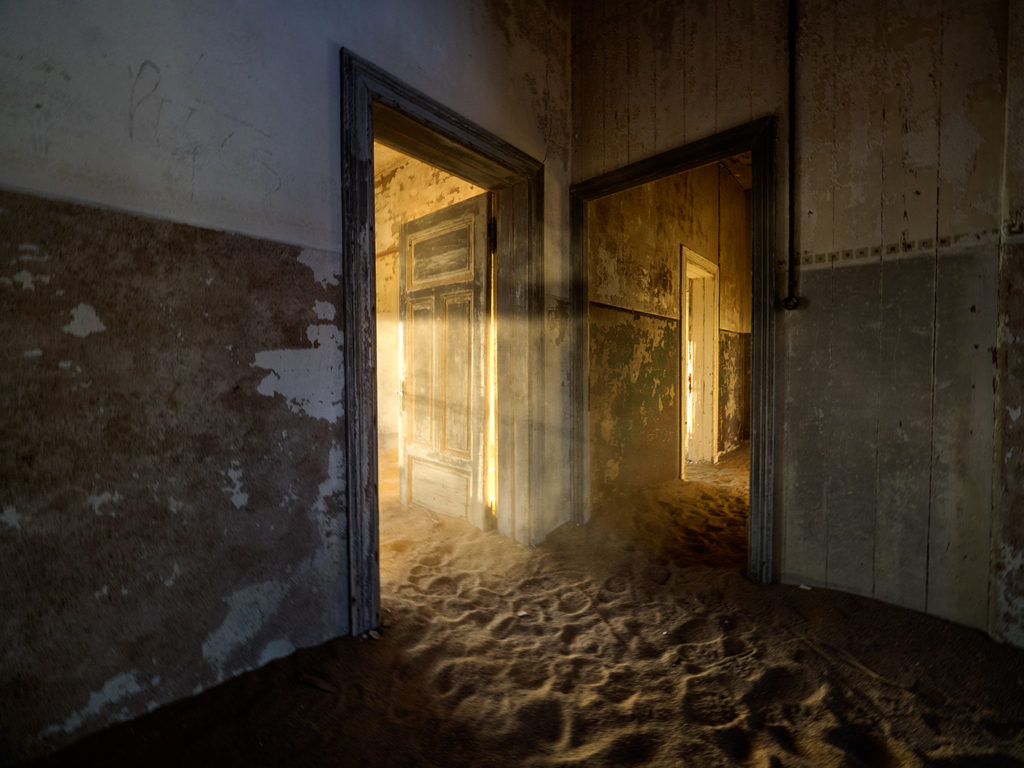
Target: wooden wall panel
961, 487
857, 137
973, 115
701, 100
805, 431
904, 426
733, 56
851, 403
911, 45
815, 159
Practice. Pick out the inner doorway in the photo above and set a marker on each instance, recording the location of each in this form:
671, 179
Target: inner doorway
436, 334
669, 265
377, 107
700, 292
637, 304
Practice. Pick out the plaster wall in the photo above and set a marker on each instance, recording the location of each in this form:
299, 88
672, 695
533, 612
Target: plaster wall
218, 117
171, 470
885, 375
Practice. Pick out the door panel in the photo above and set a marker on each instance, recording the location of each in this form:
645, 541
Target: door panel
419, 374
457, 367
443, 299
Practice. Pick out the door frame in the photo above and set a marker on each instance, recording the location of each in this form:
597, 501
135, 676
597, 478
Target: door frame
706, 336
757, 137
378, 106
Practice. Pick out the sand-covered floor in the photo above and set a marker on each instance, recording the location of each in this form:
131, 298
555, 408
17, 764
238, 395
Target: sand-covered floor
634, 640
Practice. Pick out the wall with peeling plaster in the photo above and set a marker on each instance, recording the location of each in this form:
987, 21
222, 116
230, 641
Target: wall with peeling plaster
170, 465
202, 463
907, 117
634, 280
404, 189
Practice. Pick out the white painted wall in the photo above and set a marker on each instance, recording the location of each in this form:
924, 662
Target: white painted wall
226, 114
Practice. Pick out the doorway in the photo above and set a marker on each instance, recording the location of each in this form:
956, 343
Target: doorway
700, 294
435, 334
377, 107
635, 296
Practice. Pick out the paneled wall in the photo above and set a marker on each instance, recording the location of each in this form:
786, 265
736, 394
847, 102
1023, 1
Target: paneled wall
886, 373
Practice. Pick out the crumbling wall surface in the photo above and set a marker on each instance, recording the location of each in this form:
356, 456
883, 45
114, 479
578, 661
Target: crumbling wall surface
634, 337
733, 389
1008, 521
171, 463
735, 278
884, 431
634, 407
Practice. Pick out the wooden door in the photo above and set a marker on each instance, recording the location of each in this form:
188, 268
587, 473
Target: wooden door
443, 311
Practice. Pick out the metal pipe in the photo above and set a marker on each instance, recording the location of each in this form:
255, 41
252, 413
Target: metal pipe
792, 301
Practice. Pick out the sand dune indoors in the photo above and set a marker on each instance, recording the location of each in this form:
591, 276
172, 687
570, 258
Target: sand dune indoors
616, 643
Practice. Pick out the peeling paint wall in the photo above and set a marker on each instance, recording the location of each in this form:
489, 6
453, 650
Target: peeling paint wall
404, 189
634, 241
171, 475
885, 375
195, 113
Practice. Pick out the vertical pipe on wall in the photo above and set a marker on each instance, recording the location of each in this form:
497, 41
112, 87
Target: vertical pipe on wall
792, 301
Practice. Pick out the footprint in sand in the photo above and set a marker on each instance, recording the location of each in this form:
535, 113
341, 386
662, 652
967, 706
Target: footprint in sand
621, 684
576, 671
694, 631
540, 720
443, 585
529, 674
616, 584
864, 748
631, 749
573, 600
708, 701
536, 584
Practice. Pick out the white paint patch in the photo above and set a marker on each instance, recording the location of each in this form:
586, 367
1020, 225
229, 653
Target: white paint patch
174, 505
30, 252
326, 265
1014, 413
310, 380
324, 310
98, 501
328, 553
102, 592
64, 364
32, 353
335, 482
248, 610
11, 517
28, 281
175, 573
84, 321
238, 497
276, 649
114, 690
